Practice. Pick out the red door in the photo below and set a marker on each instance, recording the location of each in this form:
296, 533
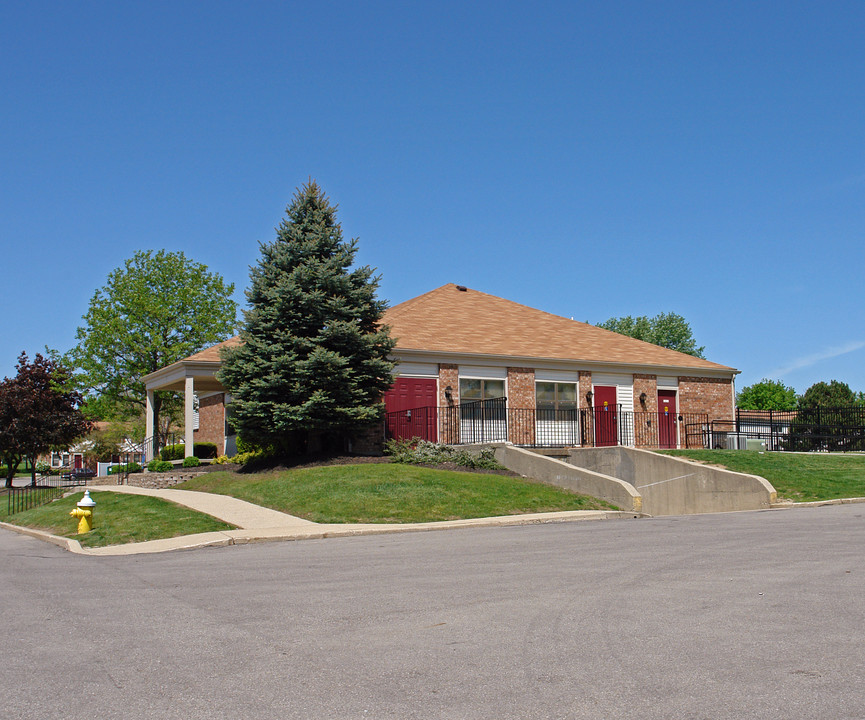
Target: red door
606, 416
667, 418
411, 409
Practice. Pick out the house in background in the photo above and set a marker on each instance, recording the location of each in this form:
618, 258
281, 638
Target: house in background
78, 455
473, 366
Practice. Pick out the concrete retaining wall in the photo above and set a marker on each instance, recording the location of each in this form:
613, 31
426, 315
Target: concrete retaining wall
565, 475
153, 481
672, 486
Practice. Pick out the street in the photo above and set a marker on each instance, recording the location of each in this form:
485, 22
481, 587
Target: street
756, 614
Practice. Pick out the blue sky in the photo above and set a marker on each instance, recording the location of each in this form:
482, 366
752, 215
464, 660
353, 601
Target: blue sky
588, 159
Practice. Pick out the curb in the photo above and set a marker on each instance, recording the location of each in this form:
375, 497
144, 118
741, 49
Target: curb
816, 503
65, 543
247, 537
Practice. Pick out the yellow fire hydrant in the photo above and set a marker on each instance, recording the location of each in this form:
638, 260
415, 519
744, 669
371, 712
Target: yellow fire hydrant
84, 513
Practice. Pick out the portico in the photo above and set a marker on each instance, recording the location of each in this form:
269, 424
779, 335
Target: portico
195, 375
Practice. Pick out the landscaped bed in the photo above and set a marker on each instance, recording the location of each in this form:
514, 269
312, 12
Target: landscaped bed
118, 519
798, 477
391, 493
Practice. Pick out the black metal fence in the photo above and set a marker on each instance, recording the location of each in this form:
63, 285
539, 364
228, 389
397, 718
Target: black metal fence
47, 489
819, 429
493, 421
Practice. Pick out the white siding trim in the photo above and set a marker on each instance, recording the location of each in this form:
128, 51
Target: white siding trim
625, 397
560, 376
668, 383
416, 369
481, 372
611, 379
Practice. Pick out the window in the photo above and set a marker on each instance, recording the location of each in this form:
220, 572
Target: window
482, 422
557, 418
551, 396
473, 390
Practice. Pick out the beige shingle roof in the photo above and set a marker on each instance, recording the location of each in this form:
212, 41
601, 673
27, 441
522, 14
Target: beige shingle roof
451, 320
211, 354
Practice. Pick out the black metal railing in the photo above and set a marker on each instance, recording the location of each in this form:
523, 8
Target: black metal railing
493, 421
47, 488
818, 429
150, 447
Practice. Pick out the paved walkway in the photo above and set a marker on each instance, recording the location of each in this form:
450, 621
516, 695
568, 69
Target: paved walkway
260, 524
245, 515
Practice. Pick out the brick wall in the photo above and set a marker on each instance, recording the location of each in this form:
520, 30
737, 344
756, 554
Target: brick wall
449, 430
585, 387
646, 384
211, 421
368, 440
521, 395
587, 431
645, 426
521, 387
713, 396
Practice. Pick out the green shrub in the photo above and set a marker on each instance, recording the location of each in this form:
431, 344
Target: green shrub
132, 467
43, 468
172, 452
157, 465
221, 460
204, 450
246, 447
191, 462
423, 452
178, 451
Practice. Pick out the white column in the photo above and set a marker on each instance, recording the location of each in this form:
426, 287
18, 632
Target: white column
148, 426
188, 416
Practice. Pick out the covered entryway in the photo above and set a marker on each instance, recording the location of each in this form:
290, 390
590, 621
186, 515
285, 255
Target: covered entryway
411, 409
667, 436
606, 416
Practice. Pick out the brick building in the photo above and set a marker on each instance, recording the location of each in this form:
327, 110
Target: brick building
475, 366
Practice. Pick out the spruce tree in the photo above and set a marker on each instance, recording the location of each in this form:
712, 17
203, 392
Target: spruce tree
314, 356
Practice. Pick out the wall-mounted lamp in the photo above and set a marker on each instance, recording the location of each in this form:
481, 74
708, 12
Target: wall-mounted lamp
643, 400
589, 396
449, 394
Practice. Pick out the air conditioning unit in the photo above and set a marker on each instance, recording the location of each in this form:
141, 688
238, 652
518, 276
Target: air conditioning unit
755, 444
737, 441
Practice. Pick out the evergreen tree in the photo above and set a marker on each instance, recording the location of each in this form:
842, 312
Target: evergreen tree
313, 357
834, 394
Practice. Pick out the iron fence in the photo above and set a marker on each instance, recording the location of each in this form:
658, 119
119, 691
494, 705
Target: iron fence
48, 488
493, 421
150, 447
818, 429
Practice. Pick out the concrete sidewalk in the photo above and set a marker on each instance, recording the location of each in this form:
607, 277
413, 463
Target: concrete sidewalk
259, 524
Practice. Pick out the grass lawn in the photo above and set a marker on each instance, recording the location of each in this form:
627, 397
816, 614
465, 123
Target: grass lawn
797, 477
391, 493
118, 519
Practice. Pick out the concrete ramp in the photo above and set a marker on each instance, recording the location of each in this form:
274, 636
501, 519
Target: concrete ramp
640, 481
673, 486
588, 482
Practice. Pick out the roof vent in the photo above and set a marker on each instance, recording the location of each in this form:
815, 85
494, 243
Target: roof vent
462, 288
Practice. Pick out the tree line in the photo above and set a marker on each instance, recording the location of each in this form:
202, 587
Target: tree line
775, 395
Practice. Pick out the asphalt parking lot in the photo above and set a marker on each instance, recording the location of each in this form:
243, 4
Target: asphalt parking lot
755, 615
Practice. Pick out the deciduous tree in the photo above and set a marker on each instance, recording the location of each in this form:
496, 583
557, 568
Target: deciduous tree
767, 395
155, 310
668, 330
314, 356
37, 412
